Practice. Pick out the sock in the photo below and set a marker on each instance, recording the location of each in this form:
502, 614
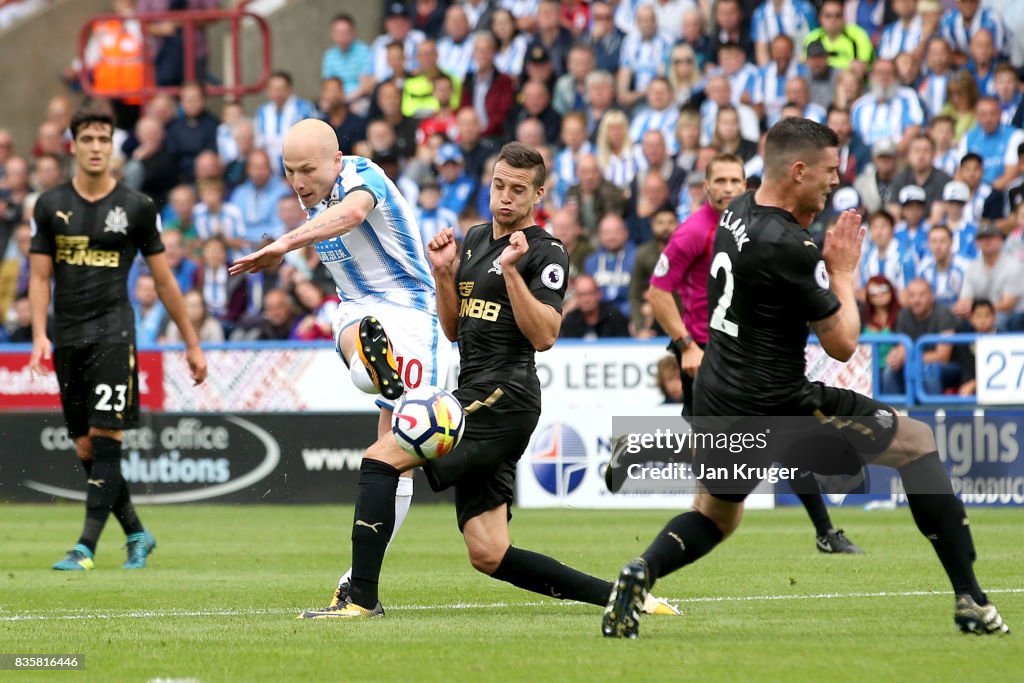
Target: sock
806, 488
124, 511
685, 539
360, 376
545, 575
403, 499
941, 517
102, 488
372, 528
87, 466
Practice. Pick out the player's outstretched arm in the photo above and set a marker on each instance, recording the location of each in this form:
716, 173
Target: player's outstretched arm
442, 251
40, 272
538, 321
840, 331
169, 293
335, 221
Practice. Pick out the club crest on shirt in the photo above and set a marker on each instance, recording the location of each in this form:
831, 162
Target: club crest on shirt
495, 267
821, 275
116, 221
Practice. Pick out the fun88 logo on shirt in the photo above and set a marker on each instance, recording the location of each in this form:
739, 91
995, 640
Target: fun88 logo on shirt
558, 458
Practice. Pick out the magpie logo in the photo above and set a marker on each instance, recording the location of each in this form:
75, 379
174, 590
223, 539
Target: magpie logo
495, 267
116, 221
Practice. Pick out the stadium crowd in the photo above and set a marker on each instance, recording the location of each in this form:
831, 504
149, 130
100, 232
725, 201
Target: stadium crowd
627, 101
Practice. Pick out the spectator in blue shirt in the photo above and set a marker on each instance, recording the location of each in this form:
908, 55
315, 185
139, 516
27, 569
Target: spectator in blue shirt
349, 60
257, 197
149, 312
457, 188
995, 142
611, 265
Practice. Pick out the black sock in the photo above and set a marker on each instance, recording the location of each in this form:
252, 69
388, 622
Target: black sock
806, 488
124, 511
372, 528
87, 466
685, 539
941, 517
102, 488
545, 575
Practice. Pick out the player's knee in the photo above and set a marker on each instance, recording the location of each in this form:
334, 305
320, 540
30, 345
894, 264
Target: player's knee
485, 557
916, 438
725, 516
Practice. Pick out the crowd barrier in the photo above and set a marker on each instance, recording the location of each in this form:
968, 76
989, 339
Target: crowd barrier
281, 422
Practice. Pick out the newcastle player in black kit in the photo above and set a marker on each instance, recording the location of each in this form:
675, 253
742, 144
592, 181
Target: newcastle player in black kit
502, 300
768, 286
85, 234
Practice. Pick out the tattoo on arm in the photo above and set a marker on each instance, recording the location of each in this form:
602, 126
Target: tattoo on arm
825, 325
313, 227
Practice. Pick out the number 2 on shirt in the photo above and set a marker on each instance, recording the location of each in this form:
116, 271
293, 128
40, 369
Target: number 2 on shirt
718, 321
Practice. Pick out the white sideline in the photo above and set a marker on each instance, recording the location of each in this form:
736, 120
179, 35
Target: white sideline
44, 615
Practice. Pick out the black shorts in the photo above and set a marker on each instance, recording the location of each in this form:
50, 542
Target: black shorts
99, 387
482, 468
825, 430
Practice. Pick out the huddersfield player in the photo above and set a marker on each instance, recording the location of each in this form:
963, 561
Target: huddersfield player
85, 234
502, 300
366, 235
683, 267
769, 284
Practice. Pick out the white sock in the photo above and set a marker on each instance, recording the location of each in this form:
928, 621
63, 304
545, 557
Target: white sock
403, 500
360, 376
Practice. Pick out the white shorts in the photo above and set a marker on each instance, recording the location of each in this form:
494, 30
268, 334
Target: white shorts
421, 350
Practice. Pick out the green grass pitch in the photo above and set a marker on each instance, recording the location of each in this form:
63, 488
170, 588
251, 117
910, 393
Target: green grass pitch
219, 600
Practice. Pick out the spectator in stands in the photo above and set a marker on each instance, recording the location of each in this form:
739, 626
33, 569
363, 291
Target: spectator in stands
334, 109
21, 329
575, 146
226, 295
418, 99
551, 35
274, 323
567, 229
14, 191
961, 102
349, 60
320, 308
257, 197
442, 121
727, 138
920, 317
397, 29
652, 196
767, 92
600, 99
455, 47
614, 151
730, 25
14, 270
593, 196
593, 318
938, 70
983, 321
194, 131
670, 384
536, 104
167, 46
971, 171
47, 173
889, 111
663, 224
431, 217
687, 137
395, 55
475, 148
683, 74
511, 44
457, 188
940, 130
208, 329
273, 118
570, 92
1008, 93
478, 13
983, 62
995, 142
995, 276
150, 316
654, 158
853, 154
849, 46
604, 37
878, 314
612, 264
875, 183
942, 268
183, 268
884, 255
950, 212
960, 24
772, 18
659, 113
912, 229
921, 171
214, 217
905, 35
719, 94
208, 166
244, 135
643, 56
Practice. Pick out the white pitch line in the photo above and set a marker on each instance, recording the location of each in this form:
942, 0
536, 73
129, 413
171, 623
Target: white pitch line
148, 614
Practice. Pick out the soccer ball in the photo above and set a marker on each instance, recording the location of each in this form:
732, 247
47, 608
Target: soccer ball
428, 422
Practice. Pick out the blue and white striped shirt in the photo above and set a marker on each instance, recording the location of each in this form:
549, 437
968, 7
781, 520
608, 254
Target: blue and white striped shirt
933, 92
382, 260
665, 120
271, 124
743, 81
565, 170
455, 59
974, 209
795, 19
946, 284
228, 223
948, 161
520, 8
769, 90
874, 120
964, 236
433, 221
953, 30
897, 38
914, 242
645, 58
895, 264
381, 70
621, 169
510, 60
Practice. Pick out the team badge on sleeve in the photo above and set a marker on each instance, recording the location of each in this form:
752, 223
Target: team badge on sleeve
661, 267
821, 275
552, 276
